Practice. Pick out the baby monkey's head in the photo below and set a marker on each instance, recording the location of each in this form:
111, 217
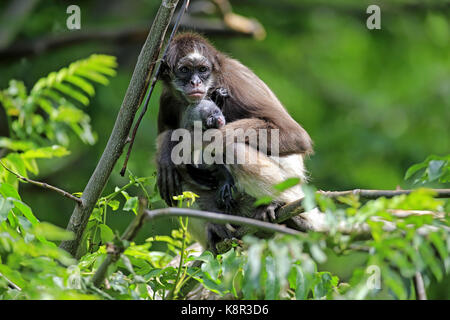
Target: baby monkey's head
205, 111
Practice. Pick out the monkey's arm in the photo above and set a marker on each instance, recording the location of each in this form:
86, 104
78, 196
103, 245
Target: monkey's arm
291, 140
250, 104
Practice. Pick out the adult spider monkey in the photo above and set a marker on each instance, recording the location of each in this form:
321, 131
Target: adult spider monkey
194, 70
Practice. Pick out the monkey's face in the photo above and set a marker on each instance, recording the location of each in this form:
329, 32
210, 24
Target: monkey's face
211, 115
193, 76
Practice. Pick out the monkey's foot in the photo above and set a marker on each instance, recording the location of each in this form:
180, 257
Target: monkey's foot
217, 233
267, 212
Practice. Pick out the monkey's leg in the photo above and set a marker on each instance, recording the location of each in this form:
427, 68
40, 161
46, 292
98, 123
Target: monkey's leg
258, 173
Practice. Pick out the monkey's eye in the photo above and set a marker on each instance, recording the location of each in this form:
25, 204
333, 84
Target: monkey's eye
203, 69
184, 70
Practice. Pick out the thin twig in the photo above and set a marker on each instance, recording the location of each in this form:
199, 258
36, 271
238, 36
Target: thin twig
12, 284
44, 185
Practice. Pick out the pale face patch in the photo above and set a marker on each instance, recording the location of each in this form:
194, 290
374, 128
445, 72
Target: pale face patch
195, 57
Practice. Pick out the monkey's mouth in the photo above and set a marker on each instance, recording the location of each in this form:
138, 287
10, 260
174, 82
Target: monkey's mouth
197, 94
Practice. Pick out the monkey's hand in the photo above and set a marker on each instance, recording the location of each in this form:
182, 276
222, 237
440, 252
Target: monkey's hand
219, 95
169, 180
267, 213
225, 198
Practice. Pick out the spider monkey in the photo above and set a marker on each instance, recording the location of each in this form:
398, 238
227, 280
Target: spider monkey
194, 70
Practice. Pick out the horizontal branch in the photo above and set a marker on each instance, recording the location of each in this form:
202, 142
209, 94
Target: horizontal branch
374, 194
217, 218
294, 215
128, 34
43, 185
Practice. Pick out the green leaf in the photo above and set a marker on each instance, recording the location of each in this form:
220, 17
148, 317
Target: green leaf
13, 275
288, 183
439, 244
6, 204
16, 164
107, 234
114, 204
435, 169
131, 204
8, 190
15, 145
26, 211
71, 92
309, 201
413, 169
46, 152
302, 284
271, 282
92, 75
81, 83
262, 201
431, 260
394, 282
52, 232
317, 253
210, 265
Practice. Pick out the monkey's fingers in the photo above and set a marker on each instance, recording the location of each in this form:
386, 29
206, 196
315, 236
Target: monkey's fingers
226, 199
268, 212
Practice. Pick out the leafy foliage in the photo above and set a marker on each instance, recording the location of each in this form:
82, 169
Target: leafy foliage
433, 168
39, 122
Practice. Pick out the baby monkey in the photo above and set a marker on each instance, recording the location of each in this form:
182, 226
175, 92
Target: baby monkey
211, 117
205, 111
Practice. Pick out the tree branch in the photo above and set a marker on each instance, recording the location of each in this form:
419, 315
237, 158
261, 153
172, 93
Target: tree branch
150, 91
295, 216
419, 287
114, 148
44, 185
124, 34
374, 194
14, 15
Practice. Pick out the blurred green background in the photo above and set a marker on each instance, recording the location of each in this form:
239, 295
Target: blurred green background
374, 101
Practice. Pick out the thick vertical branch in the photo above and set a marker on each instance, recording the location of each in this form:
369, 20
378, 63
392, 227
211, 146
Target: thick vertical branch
131, 102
